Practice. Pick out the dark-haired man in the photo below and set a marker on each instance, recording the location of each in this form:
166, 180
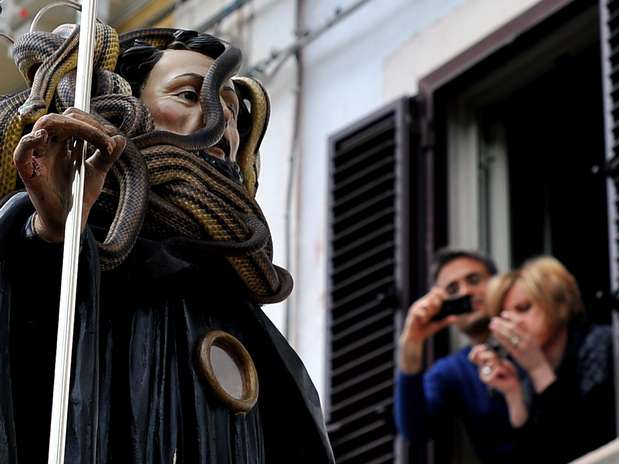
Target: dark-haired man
174, 360
451, 386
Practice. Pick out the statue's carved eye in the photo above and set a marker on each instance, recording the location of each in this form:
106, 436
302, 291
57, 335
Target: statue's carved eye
188, 95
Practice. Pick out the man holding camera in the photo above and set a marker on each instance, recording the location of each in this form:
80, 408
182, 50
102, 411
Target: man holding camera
451, 386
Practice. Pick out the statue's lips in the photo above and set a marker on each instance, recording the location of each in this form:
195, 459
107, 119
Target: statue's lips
221, 149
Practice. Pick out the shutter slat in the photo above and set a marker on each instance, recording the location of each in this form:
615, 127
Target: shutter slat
360, 396
375, 218
336, 322
368, 411
359, 343
364, 323
367, 291
360, 432
386, 231
354, 455
367, 272
372, 358
364, 257
362, 208
345, 200
360, 159
367, 172
349, 147
360, 378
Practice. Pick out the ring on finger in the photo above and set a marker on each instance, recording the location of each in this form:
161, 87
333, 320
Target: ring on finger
515, 340
486, 371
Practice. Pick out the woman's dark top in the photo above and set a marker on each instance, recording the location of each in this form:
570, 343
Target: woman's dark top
576, 413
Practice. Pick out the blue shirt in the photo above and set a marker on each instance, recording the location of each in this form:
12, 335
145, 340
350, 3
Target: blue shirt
451, 388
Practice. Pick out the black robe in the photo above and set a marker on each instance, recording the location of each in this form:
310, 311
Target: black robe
136, 395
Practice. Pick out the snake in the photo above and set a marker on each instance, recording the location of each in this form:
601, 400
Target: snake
162, 187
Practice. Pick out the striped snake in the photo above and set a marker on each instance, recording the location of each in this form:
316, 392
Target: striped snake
160, 187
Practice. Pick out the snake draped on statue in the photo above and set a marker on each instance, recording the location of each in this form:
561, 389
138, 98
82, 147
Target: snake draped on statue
173, 359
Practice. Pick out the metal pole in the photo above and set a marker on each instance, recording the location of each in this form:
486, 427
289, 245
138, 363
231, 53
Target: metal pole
70, 260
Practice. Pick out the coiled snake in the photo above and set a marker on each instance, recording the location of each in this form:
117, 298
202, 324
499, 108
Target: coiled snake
159, 187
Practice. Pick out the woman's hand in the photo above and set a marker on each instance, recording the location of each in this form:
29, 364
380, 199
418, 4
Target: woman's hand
524, 349
44, 160
418, 326
494, 371
501, 375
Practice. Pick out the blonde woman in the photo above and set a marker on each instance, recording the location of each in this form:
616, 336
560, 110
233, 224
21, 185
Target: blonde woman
557, 378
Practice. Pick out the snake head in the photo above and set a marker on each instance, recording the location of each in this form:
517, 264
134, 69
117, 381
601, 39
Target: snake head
32, 109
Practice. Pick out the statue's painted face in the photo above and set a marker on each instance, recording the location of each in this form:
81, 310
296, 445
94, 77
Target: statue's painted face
172, 93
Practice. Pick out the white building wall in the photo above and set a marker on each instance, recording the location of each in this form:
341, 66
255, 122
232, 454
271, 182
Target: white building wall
429, 48
373, 56
343, 82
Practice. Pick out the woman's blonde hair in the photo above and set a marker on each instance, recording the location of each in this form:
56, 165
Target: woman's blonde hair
547, 282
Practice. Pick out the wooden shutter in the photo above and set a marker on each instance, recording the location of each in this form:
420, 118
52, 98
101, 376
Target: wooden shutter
609, 16
609, 30
368, 278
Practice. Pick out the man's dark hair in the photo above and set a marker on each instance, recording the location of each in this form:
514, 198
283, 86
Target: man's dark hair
446, 255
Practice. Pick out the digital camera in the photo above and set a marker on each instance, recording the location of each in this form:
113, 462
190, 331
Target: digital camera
454, 306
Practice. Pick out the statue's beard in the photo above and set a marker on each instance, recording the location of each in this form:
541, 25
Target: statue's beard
229, 169
224, 146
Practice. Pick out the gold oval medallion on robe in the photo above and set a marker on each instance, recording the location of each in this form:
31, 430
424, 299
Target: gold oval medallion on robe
229, 370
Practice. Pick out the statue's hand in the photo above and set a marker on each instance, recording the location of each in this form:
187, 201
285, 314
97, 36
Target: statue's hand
44, 162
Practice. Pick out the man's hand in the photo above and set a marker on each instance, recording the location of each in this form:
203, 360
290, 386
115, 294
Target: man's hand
44, 160
418, 327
